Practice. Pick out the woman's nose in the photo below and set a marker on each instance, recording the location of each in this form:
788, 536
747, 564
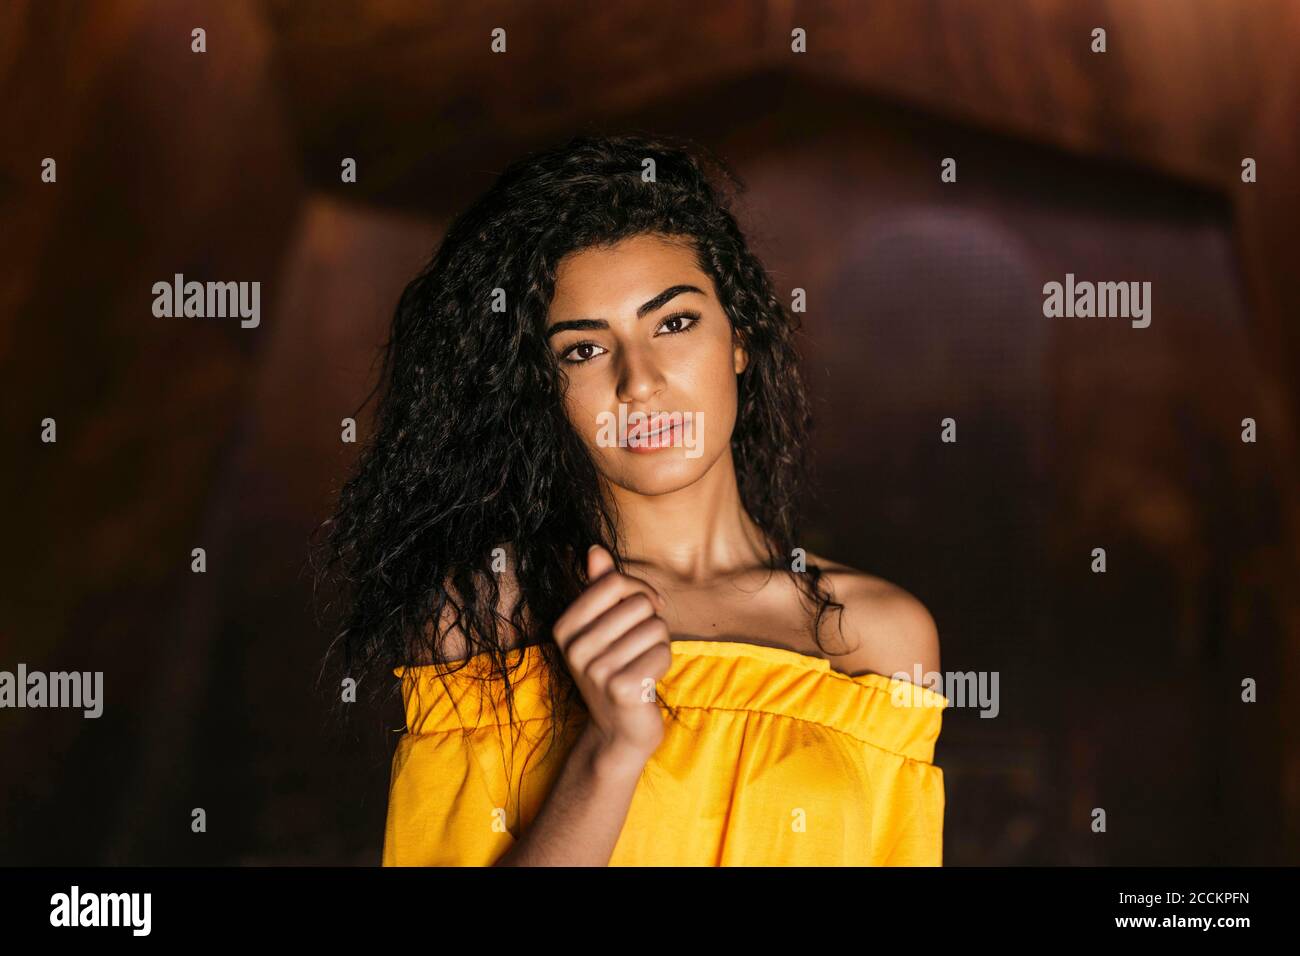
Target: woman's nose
639, 378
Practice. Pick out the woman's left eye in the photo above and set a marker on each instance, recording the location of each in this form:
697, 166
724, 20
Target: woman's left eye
681, 322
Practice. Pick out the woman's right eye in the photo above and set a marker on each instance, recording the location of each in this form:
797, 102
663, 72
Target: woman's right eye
582, 352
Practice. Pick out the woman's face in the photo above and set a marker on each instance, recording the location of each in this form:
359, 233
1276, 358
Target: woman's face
650, 362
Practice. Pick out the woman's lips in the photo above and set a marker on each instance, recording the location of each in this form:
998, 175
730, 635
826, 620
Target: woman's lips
649, 423
668, 435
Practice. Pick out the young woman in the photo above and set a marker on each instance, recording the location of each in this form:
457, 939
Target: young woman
575, 525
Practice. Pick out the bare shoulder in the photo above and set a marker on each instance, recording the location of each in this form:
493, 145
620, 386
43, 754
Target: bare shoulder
885, 629
448, 635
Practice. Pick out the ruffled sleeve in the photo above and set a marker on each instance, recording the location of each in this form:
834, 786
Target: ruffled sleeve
463, 786
440, 808
908, 826
909, 788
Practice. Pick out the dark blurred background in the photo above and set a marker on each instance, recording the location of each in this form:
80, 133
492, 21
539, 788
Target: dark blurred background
1118, 690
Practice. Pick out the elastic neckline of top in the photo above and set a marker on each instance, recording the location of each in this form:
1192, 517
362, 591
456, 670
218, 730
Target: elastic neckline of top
703, 647
781, 655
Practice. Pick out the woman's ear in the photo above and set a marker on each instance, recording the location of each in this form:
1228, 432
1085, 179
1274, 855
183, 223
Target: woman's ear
740, 358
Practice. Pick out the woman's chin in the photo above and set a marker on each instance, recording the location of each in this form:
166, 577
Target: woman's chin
662, 473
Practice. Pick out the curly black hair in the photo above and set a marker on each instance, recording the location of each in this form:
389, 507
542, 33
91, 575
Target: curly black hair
472, 451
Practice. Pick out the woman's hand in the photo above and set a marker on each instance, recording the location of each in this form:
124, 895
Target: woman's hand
616, 646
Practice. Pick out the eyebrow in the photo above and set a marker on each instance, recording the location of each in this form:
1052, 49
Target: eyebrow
658, 302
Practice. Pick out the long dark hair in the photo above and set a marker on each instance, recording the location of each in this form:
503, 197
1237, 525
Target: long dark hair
472, 451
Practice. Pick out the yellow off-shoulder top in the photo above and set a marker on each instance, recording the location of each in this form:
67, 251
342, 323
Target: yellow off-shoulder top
776, 760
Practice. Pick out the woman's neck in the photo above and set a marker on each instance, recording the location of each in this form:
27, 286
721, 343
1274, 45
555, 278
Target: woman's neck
692, 535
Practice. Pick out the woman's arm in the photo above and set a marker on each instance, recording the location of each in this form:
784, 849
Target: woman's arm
616, 647
613, 641
582, 816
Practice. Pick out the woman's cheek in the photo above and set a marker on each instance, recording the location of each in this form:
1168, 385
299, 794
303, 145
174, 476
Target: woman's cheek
582, 415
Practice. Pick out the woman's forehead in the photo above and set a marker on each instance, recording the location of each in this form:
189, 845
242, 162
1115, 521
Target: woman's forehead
607, 281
